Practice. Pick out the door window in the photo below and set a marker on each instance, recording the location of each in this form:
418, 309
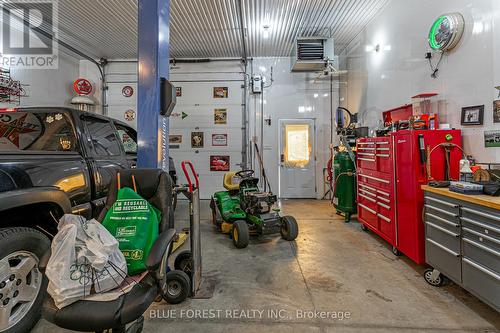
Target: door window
103, 136
128, 138
297, 145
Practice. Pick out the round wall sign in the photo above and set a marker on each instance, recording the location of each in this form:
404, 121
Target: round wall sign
82, 87
127, 91
446, 32
129, 115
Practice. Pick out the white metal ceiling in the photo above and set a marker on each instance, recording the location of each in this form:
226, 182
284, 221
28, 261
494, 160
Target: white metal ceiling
210, 28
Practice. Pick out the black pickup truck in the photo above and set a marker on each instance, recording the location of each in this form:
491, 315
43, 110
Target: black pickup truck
52, 161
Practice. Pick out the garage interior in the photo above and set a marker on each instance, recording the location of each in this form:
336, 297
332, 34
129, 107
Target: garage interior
372, 127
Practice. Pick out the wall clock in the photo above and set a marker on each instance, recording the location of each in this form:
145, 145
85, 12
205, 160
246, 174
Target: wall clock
446, 32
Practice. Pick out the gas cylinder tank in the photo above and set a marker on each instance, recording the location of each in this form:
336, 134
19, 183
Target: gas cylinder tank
344, 185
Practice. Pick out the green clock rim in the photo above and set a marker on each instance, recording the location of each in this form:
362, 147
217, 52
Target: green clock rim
432, 34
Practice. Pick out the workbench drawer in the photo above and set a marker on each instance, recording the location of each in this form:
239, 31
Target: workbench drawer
447, 239
481, 281
480, 238
451, 224
483, 227
446, 261
481, 253
441, 203
483, 216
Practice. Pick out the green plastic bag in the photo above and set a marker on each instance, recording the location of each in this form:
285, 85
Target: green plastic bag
134, 222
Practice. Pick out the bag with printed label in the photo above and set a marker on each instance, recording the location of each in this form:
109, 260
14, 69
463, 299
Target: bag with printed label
134, 222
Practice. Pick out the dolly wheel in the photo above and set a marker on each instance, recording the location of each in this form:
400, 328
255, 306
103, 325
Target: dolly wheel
241, 234
289, 228
184, 262
435, 281
178, 287
395, 251
364, 227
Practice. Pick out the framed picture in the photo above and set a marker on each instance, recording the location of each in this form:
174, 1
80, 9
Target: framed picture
496, 111
492, 139
472, 115
175, 138
220, 116
196, 139
219, 163
219, 140
221, 92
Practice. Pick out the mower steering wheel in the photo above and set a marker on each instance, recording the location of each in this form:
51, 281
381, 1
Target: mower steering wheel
245, 173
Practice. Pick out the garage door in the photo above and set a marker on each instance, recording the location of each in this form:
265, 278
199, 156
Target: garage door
205, 128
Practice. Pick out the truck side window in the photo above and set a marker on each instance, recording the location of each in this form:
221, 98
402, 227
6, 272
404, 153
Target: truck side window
103, 137
128, 138
36, 131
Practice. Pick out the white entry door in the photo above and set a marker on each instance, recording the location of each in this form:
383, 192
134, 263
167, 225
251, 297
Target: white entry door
297, 171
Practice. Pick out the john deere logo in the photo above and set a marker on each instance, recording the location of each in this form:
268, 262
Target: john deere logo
29, 34
133, 254
126, 231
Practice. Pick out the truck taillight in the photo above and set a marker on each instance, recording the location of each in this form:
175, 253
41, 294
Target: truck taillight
8, 109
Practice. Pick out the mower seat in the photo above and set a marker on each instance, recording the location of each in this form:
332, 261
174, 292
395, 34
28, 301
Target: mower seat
228, 181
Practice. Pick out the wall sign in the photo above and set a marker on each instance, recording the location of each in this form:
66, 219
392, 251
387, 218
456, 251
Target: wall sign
496, 111
127, 91
196, 139
220, 116
82, 87
175, 138
219, 163
446, 32
492, 139
472, 115
178, 91
219, 140
129, 115
221, 92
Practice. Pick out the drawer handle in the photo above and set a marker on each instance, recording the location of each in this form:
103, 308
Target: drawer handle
368, 187
482, 225
488, 216
441, 210
368, 209
365, 143
366, 148
443, 220
442, 202
482, 269
482, 247
474, 232
366, 159
383, 155
385, 149
383, 205
366, 192
430, 224
383, 193
367, 154
375, 178
382, 143
443, 247
384, 199
384, 218
367, 198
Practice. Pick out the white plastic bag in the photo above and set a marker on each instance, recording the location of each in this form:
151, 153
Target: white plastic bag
85, 260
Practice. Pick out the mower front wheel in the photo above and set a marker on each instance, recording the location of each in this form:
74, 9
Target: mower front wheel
241, 234
289, 228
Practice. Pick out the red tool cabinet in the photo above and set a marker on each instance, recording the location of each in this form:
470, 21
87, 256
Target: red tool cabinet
390, 173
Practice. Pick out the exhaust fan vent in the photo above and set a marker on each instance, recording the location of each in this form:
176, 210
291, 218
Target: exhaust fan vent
310, 54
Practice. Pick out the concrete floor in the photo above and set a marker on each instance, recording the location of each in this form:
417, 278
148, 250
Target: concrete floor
333, 268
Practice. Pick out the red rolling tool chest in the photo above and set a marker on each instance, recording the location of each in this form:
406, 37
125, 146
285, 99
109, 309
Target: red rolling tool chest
390, 172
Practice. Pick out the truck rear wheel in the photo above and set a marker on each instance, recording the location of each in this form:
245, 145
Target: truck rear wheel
289, 228
241, 234
22, 286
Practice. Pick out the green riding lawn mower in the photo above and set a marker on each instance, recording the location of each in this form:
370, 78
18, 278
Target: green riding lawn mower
244, 210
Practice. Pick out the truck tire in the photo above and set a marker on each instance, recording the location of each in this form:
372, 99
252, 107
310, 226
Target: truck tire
241, 234
289, 228
23, 292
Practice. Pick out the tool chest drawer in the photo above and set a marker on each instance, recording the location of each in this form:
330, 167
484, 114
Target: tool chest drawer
380, 181
449, 262
481, 281
374, 154
488, 256
447, 239
443, 205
